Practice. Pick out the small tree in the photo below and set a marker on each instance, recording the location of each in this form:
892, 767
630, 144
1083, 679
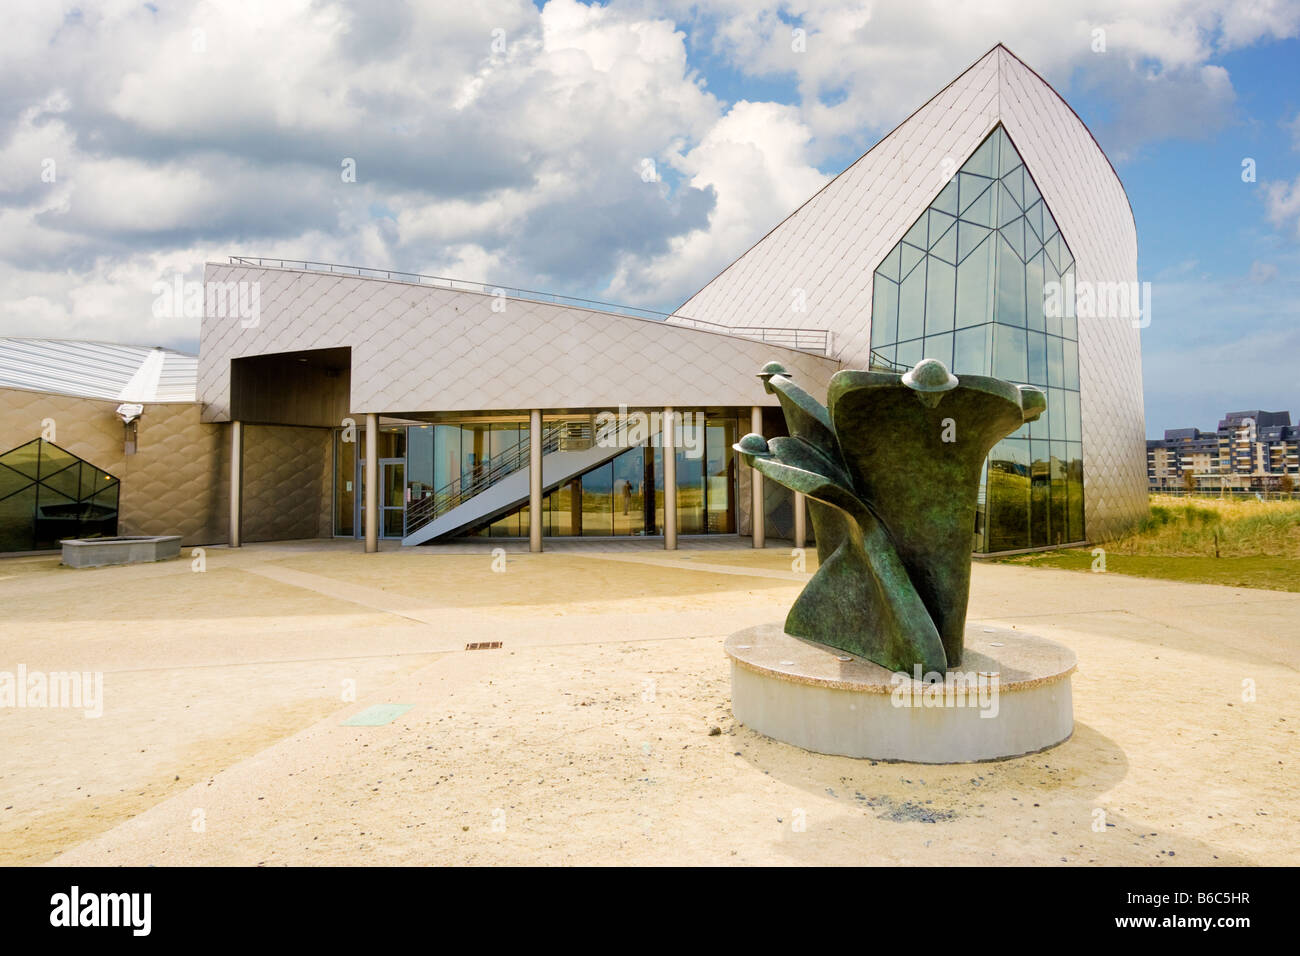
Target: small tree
1189, 481
1286, 485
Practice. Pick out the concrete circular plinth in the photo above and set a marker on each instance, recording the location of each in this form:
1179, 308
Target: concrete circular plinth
1010, 696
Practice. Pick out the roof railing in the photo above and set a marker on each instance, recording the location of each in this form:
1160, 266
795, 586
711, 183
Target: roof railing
817, 341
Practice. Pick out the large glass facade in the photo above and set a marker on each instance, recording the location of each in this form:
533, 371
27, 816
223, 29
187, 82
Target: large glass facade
623, 496
48, 494
968, 284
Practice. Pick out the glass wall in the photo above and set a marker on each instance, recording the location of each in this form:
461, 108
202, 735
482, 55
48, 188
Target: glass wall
720, 475
350, 479
691, 486
345, 482
623, 496
48, 494
969, 284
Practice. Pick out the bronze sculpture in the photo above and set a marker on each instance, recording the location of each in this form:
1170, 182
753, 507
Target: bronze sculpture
891, 468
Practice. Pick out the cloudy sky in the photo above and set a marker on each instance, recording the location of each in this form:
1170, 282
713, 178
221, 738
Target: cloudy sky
509, 142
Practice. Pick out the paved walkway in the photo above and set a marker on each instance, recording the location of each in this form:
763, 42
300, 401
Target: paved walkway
587, 736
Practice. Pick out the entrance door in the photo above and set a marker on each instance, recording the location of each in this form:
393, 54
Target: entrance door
392, 497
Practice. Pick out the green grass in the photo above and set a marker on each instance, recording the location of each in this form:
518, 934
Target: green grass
1274, 574
1253, 544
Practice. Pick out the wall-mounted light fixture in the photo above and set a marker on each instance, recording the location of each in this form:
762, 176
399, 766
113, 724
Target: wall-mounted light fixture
130, 414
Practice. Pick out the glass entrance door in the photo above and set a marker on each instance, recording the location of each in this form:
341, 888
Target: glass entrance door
392, 497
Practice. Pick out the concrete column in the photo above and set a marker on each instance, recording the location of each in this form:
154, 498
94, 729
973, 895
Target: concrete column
800, 520
756, 484
670, 480
372, 483
535, 480
236, 484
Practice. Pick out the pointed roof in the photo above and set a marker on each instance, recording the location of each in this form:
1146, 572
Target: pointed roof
843, 231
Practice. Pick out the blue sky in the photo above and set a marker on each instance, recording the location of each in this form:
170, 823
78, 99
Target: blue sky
1201, 230
503, 141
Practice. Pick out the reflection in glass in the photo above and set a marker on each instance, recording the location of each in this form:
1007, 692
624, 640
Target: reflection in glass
721, 470
909, 353
1034, 294
1070, 363
71, 499
629, 492
974, 282
1009, 359
1011, 286
1037, 359
1040, 492
1057, 518
1074, 483
1008, 495
911, 305
597, 501
1072, 413
1056, 413
345, 471
625, 496
446, 456
941, 283
884, 312
1055, 361
690, 494
972, 349
1008, 249
419, 461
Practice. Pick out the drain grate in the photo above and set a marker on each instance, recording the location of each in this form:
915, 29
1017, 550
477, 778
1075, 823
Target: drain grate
483, 646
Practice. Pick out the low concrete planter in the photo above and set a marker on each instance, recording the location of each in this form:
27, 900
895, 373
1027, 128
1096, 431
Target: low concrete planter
98, 552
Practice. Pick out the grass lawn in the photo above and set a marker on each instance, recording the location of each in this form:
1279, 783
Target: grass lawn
1250, 544
1275, 574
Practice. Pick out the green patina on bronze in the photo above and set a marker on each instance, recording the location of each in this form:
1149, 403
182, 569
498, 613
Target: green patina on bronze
891, 468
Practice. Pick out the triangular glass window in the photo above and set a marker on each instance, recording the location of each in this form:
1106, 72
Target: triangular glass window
71, 499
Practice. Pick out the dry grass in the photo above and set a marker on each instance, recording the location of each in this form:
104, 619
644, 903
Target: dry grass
1238, 543
1196, 527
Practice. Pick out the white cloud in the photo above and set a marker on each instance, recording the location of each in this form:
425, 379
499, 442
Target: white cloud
756, 158
1282, 203
496, 141
1262, 271
876, 62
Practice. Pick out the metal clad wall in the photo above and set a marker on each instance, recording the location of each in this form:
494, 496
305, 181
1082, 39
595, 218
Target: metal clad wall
831, 246
423, 348
177, 481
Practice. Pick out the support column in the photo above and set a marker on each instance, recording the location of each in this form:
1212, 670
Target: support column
800, 520
670, 480
236, 484
372, 483
535, 480
756, 484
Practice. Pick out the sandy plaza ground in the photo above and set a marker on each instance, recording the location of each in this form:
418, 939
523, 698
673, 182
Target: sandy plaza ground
601, 731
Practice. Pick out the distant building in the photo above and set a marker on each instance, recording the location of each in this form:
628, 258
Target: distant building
1250, 451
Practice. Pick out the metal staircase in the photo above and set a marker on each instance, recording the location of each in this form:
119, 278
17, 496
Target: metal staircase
500, 484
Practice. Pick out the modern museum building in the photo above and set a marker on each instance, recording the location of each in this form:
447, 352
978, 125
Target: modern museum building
988, 231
